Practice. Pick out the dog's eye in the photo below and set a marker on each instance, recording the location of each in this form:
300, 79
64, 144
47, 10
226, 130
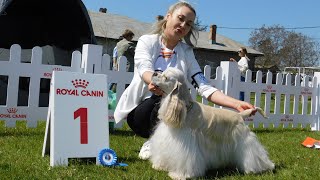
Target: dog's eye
165, 77
155, 74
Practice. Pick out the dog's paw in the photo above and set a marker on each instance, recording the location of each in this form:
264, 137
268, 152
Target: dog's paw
145, 152
176, 176
144, 155
159, 167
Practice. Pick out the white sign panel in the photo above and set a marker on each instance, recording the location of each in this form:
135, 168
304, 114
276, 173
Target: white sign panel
77, 124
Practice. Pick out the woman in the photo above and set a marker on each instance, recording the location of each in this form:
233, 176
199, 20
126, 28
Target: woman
154, 53
242, 65
243, 62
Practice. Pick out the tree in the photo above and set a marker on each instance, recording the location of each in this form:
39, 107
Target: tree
284, 48
299, 51
199, 25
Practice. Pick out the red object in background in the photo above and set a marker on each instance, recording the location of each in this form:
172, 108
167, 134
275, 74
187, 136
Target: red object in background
310, 142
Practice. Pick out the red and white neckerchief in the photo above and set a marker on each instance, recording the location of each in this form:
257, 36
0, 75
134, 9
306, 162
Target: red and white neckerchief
167, 58
166, 53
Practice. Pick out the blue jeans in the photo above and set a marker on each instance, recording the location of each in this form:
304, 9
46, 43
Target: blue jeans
241, 97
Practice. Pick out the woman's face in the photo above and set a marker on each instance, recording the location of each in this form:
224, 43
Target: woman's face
241, 53
179, 23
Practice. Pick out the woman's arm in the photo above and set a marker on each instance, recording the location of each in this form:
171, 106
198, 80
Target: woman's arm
223, 100
231, 59
143, 60
206, 90
143, 57
146, 76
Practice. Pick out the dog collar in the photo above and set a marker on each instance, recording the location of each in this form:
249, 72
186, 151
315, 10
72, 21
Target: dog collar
189, 106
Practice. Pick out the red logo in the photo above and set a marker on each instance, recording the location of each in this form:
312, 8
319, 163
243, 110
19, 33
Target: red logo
49, 74
269, 89
57, 69
12, 114
80, 83
12, 110
306, 91
286, 119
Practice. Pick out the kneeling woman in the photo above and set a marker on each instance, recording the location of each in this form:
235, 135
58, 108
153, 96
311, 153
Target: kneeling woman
169, 45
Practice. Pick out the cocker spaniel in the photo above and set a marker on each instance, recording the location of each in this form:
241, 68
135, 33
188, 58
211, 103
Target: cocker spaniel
192, 137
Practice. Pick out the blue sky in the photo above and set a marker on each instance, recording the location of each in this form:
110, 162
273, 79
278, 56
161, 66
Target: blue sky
227, 13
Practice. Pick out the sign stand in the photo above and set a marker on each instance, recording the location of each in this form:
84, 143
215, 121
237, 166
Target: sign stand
77, 122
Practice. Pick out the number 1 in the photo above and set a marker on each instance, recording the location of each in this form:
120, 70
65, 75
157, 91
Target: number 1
83, 114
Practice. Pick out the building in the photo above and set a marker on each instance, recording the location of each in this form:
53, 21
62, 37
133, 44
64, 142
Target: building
211, 48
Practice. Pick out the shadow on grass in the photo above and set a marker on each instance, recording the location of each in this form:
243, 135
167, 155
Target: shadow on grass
129, 159
92, 162
231, 171
220, 173
119, 132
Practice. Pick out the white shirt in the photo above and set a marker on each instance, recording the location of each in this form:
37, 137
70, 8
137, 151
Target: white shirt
243, 65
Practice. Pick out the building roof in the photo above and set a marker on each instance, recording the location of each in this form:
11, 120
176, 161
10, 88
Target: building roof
109, 25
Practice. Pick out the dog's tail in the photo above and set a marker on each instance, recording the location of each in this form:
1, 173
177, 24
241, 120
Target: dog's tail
248, 112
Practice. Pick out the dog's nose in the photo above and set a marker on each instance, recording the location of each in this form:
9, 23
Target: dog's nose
155, 74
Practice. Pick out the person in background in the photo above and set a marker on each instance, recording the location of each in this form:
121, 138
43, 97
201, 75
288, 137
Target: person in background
242, 65
169, 45
126, 48
115, 56
114, 66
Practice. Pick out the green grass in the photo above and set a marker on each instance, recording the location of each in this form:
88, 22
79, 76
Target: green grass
21, 147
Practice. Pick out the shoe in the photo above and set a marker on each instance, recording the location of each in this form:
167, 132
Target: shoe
145, 152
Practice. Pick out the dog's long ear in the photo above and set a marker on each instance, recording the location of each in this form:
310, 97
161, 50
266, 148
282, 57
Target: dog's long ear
173, 109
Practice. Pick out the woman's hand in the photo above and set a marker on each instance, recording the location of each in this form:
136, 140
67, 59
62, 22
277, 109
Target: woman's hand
242, 105
155, 89
231, 59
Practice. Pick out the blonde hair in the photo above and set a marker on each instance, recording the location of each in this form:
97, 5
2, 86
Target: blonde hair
161, 25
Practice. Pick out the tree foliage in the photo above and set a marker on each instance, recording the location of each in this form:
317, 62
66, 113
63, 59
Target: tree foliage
284, 48
198, 24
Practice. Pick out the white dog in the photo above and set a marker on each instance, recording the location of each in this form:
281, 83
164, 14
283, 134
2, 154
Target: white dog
192, 137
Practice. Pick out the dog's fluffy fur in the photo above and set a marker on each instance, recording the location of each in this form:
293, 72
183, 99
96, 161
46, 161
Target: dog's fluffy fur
189, 141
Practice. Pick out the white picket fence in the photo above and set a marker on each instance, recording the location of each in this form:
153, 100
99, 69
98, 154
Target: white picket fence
304, 110
300, 101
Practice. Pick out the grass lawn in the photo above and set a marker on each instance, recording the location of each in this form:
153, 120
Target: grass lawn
21, 147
